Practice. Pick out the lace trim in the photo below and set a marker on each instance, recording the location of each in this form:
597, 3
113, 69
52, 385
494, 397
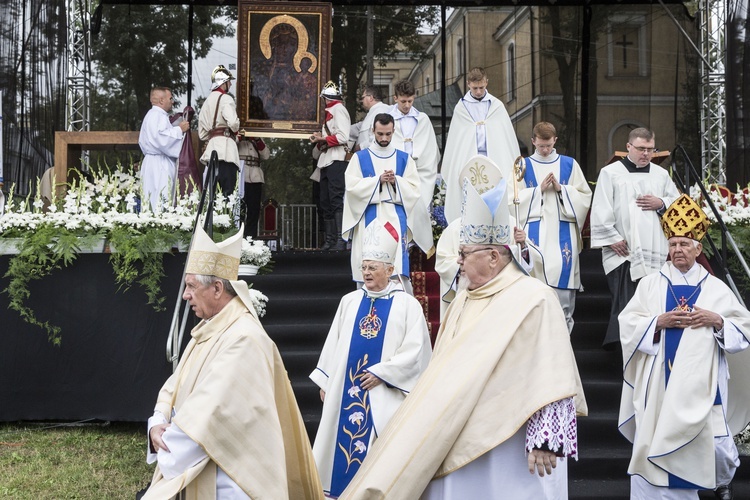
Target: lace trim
556, 426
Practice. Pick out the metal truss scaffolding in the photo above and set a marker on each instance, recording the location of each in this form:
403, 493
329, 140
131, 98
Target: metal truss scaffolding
79, 65
713, 19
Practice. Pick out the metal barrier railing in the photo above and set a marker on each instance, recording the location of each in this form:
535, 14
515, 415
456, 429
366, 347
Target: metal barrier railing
298, 226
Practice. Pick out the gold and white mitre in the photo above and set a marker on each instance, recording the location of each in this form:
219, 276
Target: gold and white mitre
380, 242
215, 259
485, 218
684, 217
482, 173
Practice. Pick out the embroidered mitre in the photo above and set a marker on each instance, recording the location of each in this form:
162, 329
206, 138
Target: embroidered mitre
380, 242
485, 218
215, 259
684, 217
482, 173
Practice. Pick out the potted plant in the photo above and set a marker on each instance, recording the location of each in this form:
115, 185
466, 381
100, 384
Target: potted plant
255, 255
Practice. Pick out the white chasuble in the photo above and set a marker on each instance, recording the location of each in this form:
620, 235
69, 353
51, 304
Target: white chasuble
552, 220
616, 217
231, 394
675, 392
461, 145
475, 394
383, 333
367, 199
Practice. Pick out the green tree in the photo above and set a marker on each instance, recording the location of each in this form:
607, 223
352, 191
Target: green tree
396, 29
142, 46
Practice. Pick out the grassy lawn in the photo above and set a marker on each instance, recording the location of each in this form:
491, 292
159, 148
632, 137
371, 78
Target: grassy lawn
90, 461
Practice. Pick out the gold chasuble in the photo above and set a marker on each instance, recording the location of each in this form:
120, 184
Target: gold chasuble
503, 352
231, 395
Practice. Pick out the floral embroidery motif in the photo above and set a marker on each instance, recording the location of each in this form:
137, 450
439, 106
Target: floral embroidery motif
359, 406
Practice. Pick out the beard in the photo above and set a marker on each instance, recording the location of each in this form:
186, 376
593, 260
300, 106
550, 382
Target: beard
383, 144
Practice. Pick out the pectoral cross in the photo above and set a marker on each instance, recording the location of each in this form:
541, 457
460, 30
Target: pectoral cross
624, 44
682, 305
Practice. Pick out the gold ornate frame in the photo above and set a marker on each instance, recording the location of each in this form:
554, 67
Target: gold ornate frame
284, 61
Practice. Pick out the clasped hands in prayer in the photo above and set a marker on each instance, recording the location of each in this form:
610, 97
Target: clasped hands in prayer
696, 318
389, 177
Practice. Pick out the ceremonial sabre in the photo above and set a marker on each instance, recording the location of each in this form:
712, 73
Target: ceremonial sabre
519, 170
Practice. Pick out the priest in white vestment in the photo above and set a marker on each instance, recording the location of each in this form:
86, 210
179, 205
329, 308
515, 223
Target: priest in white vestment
382, 183
415, 135
480, 125
160, 143
554, 201
497, 404
226, 423
629, 198
373, 103
681, 334
377, 347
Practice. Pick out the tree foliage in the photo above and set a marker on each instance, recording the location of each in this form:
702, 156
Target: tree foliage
396, 29
142, 46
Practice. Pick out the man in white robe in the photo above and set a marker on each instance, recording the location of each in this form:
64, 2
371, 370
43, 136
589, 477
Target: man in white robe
377, 347
680, 334
480, 125
373, 103
226, 424
501, 378
554, 201
629, 198
415, 135
382, 183
160, 143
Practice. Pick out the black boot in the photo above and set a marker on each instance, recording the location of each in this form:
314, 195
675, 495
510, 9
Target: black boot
338, 243
724, 492
328, 228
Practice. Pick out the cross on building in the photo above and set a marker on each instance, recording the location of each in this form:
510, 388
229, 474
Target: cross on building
624, 44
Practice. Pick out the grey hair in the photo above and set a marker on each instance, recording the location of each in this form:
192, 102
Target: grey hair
208, 279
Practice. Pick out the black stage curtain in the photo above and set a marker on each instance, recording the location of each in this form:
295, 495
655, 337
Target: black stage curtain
738, 94
111, 363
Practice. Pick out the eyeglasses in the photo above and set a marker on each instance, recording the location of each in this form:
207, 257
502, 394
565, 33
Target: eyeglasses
641, 149
366, 95
371, 268
464, 253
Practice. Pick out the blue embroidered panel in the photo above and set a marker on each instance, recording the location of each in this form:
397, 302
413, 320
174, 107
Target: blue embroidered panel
355, 416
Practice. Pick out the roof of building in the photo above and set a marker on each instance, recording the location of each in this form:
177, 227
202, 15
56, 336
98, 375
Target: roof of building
430, 103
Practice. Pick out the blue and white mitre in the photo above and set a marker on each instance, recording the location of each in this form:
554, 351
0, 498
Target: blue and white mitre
380, 242
483, 173
485, 218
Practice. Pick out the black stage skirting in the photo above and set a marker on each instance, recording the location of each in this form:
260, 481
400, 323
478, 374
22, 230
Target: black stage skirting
111, 363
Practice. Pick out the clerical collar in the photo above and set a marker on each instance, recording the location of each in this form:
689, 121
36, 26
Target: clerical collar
412, 112
550, 158
391, 288
692, 277
382, 152
485, 97
633, 168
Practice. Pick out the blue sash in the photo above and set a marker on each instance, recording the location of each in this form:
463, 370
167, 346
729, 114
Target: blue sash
565, 243
672, 337
371, 212
355, 416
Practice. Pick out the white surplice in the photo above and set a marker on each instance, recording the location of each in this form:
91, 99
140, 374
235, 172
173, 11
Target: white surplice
414, 134
678, 428
616, 217
362, 192
494, 130
160, 143
405, 354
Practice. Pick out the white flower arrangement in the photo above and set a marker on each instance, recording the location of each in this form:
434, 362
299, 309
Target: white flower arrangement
259, 301
255, 252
